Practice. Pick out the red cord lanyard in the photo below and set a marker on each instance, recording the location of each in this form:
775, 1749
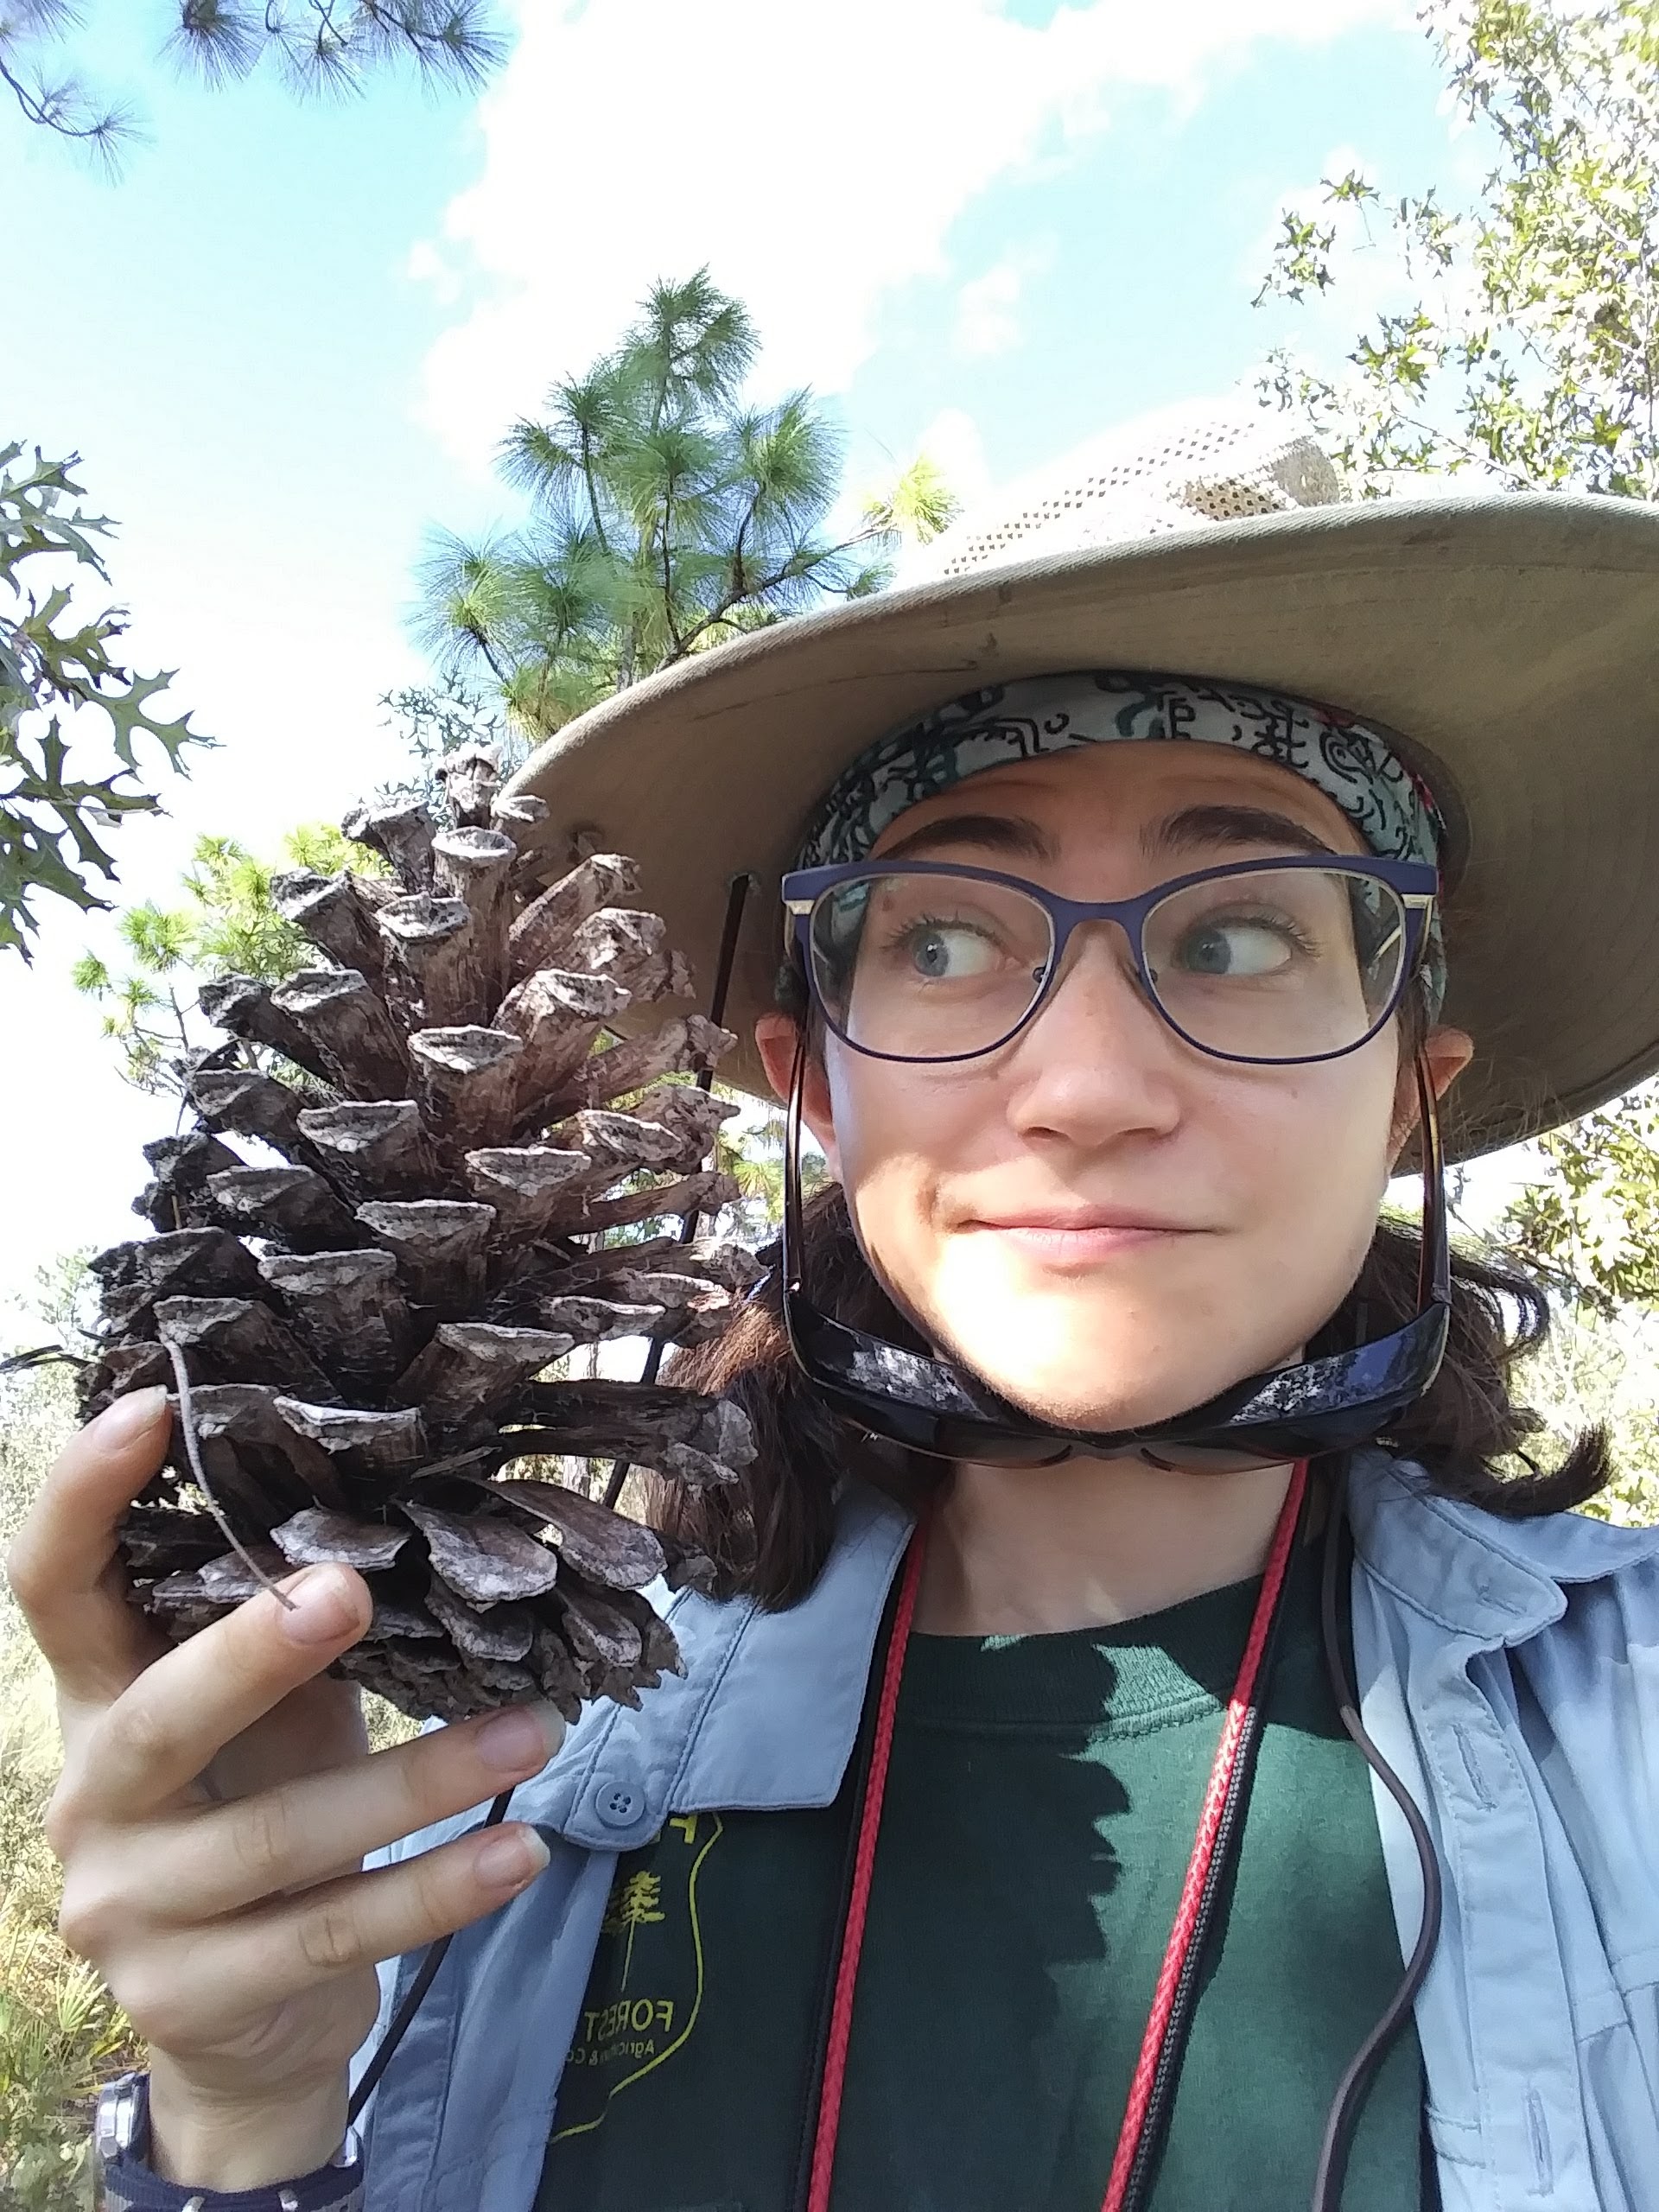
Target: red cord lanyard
1186, 1912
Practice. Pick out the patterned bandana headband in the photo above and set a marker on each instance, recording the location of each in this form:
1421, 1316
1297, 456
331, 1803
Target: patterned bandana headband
1352, 763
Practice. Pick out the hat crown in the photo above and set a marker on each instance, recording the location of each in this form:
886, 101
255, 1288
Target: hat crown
1178, 469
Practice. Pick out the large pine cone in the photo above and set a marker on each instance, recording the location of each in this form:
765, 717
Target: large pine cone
364, 1313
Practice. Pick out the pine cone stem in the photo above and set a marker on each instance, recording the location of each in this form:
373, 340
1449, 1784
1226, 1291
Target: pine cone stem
186, 1422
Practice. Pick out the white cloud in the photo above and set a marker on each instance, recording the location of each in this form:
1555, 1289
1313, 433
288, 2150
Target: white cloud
816, 157
424, 264
985, 310
986, 320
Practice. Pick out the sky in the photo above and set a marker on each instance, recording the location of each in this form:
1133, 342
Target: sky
287, 340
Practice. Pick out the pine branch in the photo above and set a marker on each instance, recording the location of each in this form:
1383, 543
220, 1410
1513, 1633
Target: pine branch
61, 109
330, 45
670, 516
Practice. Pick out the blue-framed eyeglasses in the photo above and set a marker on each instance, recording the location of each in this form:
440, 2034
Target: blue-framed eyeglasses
1268, 962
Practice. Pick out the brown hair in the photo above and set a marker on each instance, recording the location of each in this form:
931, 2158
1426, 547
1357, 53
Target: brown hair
770, 1534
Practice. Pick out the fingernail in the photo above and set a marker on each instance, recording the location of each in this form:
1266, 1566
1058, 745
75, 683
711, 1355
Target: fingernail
521, 1739
322, 1606
128, 1417
507, 1862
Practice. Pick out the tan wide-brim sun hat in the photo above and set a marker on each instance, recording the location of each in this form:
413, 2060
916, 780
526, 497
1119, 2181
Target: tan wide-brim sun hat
1510, 642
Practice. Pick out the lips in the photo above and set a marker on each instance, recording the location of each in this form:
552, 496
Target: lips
1079, 1220
1079, 1238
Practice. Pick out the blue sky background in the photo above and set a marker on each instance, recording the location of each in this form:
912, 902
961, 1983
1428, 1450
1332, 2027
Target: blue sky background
286, 340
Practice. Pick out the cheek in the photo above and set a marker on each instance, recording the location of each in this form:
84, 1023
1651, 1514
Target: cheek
1311, 1166
1291, 1167
899, 1132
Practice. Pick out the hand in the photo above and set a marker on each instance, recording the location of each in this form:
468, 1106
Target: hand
216, 1802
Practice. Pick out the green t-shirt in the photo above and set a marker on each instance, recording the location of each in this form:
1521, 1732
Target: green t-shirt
1040, 1807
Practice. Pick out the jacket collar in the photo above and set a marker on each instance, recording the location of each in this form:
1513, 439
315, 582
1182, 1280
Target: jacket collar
1468, 1571
765, 1715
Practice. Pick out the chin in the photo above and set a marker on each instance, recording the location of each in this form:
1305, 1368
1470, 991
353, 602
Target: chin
1095, 1385
1146, 1344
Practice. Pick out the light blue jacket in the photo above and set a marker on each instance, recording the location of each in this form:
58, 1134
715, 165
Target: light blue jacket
1509, 1671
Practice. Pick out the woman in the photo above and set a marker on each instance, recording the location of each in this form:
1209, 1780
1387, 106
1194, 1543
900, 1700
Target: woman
1006, 1842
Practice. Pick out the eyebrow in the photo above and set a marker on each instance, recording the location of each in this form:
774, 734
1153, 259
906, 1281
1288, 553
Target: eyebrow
1195, 828
1203, 828
1010, 834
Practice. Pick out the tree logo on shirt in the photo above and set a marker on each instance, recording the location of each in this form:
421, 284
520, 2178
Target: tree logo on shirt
632, 1906
628, 2028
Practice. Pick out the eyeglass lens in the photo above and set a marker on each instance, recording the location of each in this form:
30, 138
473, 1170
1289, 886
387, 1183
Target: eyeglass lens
1276, 964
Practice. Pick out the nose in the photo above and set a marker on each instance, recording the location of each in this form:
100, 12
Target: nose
1097, 1060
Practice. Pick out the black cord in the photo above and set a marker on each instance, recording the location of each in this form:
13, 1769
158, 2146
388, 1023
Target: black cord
1166, 2080
736, 899
42, 1356
428, 1968
1350, 2090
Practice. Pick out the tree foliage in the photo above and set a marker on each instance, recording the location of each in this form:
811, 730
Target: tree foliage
668, 514
58, 677
226, 924
433, 720
1587, 1228
917, 506
1526, 346
1591, 1231
318, 46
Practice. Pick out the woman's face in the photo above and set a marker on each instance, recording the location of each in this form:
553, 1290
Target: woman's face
1107, 1225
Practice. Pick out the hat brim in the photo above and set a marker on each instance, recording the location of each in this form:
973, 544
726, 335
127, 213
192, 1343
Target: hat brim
1511, 642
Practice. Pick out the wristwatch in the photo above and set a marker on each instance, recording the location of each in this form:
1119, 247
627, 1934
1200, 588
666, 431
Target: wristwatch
124, 2183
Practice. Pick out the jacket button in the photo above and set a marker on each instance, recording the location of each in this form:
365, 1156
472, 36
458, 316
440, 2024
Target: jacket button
617, 1805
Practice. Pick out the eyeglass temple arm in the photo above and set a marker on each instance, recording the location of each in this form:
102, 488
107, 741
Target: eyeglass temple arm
792, 1258
1434, 1261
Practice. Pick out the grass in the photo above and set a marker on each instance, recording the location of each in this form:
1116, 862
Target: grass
61, 2033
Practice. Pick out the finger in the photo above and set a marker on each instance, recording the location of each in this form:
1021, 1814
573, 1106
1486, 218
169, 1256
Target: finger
167, 1727
62, 1567
319, 1724
220, 1860
265, 1959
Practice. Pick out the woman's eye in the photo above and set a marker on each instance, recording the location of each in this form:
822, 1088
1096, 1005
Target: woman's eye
1240, 947
942, 954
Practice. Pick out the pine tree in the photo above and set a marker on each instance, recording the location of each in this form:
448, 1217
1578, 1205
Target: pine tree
226, 923
635, 1904
669, 516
